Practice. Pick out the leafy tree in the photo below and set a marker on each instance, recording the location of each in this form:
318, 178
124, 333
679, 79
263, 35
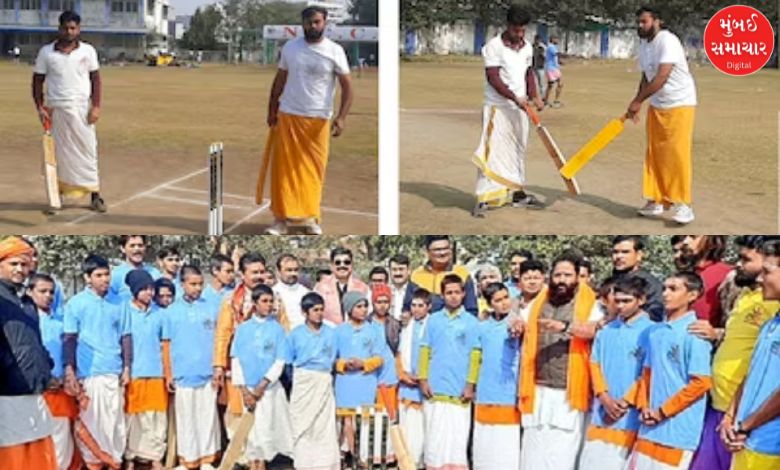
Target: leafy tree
203, 29
365, 12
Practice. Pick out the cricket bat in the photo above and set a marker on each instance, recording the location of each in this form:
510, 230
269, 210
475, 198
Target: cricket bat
238, 442
50, 167
594, 146
405, 461
552, 149
170, 456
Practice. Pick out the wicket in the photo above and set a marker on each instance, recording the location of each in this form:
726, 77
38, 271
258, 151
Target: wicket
216, 222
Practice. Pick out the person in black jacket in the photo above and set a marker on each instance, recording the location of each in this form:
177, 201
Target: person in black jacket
627, 254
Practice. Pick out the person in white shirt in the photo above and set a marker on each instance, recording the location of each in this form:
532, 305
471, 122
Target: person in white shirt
69, 67
510, 84
402, 288
289, 291
667, 82
299, 115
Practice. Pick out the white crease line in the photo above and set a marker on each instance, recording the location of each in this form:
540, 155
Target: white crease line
85, 217
438, 111
264, 206
246, 198
195, 202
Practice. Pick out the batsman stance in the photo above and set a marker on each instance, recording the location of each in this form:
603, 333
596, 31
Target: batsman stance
668, 169
510, 81
73, 95
299, 114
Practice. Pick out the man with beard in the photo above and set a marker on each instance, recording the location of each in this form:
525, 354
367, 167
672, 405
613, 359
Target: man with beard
486, 274
332, 288
299, 113
439, 249
234, 310
555, 389
25, 366
732, 357
289, 291
628, 251
133, 248
14, 271
667, 82
70, 68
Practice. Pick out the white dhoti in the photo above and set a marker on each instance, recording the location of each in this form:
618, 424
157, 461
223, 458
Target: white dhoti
100, 430
496, 446
62, 437
197, 425
313, 415
412, 421
75, 144
500, 157
272, 432
639, 461
447, 427
553, 434
601, 455
146, 433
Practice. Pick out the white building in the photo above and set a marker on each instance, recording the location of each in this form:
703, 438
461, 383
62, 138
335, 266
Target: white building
338, 10
114, 27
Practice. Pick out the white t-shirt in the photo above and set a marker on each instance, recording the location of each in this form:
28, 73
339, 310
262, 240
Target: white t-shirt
679, 89
67, 75
311, 77
513, 66
291, 296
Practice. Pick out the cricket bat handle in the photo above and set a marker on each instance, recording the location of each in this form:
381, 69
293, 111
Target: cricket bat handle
532, 114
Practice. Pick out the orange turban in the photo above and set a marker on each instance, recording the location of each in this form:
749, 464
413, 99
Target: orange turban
381, 290
14, 246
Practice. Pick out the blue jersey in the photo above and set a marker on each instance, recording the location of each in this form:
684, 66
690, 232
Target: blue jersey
100, 323
257, 344
497, 382
118, 288
762, 382
357, 388
551, 58
51, 334
146, 327
674, 356
619, 350
189, 326
311, 350
451, 338
406, 392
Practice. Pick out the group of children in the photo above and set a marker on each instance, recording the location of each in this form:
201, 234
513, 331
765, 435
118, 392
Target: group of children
141, 367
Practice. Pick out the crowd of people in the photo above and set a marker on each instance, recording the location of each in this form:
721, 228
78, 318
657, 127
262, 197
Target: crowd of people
545, 368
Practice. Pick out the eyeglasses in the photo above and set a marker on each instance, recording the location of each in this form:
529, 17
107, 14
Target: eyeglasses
343, 262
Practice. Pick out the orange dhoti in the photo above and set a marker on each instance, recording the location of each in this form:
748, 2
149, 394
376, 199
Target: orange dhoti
38, 454
668, 169
297, 153
63, 410
147, 421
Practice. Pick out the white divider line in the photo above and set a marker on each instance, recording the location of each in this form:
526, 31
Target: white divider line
141, 194
247, 198
439, 111
263, 207
193, 201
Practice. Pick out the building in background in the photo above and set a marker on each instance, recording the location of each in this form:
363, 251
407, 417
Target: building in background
338, 10
117, 28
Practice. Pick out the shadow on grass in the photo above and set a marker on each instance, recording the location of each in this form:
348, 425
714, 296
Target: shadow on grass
443, 196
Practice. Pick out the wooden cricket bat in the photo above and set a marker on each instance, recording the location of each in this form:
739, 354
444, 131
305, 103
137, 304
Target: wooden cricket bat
50, 167
405, 461
238, 442
552, 149
170, 455
594, 146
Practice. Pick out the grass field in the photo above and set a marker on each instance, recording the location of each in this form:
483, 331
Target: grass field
735, 153
155, 128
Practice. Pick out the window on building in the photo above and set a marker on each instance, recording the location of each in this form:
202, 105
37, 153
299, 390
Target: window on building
8, 4
69, 5
150, 7
117, 7
55, 5
131, 7
30, 5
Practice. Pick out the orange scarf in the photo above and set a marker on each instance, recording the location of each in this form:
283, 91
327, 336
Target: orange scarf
578, 391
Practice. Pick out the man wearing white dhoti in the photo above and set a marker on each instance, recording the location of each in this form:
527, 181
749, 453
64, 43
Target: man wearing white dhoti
69, 67
510, 83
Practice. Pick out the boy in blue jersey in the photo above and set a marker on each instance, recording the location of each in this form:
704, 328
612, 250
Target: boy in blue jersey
147, 397
674, 384
164, 293
257, 356
359, 346
97, 354
411, 398
41, 288
188, 339
751, 425
311, 349
496, 415
449, 362
615, 366
169, 263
